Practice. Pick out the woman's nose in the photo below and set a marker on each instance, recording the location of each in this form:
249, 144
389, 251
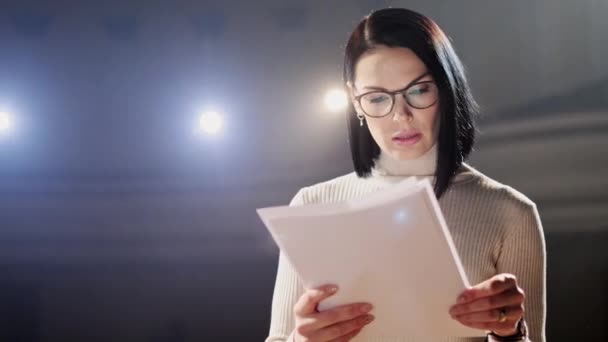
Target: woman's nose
402, 109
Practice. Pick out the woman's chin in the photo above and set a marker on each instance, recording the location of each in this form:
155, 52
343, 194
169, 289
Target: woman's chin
403, 153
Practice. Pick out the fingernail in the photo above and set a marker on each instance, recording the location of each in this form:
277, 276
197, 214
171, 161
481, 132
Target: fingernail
332, 289
365, 308
368, 319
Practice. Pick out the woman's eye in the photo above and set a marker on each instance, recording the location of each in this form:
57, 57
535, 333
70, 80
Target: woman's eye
377, 99
419, 90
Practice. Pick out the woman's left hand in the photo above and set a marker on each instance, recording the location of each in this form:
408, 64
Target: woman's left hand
496, 304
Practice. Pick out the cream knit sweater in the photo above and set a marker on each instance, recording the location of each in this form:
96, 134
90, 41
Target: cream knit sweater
494, 228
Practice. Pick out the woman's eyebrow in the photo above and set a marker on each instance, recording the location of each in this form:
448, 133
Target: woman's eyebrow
407, 86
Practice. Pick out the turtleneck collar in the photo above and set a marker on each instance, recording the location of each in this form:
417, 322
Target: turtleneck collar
424, 165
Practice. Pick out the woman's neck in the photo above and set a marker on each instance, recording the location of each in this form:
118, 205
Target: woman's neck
424, 165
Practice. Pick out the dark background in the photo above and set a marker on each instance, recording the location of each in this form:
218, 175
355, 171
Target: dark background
119, 223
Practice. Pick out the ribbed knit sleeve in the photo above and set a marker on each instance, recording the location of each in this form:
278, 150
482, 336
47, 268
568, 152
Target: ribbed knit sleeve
287, 290
523, 254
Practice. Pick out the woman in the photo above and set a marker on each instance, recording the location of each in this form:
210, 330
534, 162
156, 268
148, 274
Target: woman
411, 116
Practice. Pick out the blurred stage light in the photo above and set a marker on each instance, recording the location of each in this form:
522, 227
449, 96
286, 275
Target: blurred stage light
401, 216
5, 123
211, 123
336, 100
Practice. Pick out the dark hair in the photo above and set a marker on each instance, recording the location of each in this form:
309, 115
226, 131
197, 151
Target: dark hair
395, 27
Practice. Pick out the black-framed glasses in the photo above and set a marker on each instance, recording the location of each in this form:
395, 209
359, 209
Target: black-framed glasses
380, 103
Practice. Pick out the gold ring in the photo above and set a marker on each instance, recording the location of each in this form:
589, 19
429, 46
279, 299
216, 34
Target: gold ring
502, 315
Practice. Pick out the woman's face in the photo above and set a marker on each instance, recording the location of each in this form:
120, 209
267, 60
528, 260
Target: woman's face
406, 132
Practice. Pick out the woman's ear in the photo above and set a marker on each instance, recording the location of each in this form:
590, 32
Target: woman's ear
350, 90
351, 95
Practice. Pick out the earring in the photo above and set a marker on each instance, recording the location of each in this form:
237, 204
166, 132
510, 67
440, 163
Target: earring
361, 117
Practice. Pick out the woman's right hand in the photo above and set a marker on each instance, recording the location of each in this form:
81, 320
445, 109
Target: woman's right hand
336, 325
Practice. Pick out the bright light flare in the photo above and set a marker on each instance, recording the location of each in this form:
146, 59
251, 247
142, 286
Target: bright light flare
211, 122
336, 100
401, 216
5, 123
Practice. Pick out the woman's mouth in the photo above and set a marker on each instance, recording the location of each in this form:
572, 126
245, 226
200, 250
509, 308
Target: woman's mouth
407, 139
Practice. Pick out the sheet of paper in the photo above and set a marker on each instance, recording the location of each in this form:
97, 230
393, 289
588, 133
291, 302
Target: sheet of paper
391, 248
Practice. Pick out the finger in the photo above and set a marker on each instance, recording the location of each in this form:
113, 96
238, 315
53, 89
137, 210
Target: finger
340, 314
348, 336
307, 303
513, 297
497, 284
341, 329
513, 313
492, 326
316, 321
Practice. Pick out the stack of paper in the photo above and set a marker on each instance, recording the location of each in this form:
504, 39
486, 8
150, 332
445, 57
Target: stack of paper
391, 248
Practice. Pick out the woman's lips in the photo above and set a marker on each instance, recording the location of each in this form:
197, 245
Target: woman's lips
406, 140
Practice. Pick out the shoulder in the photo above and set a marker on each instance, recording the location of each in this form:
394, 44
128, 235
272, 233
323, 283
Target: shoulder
492, 205
335, 189
477, 184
